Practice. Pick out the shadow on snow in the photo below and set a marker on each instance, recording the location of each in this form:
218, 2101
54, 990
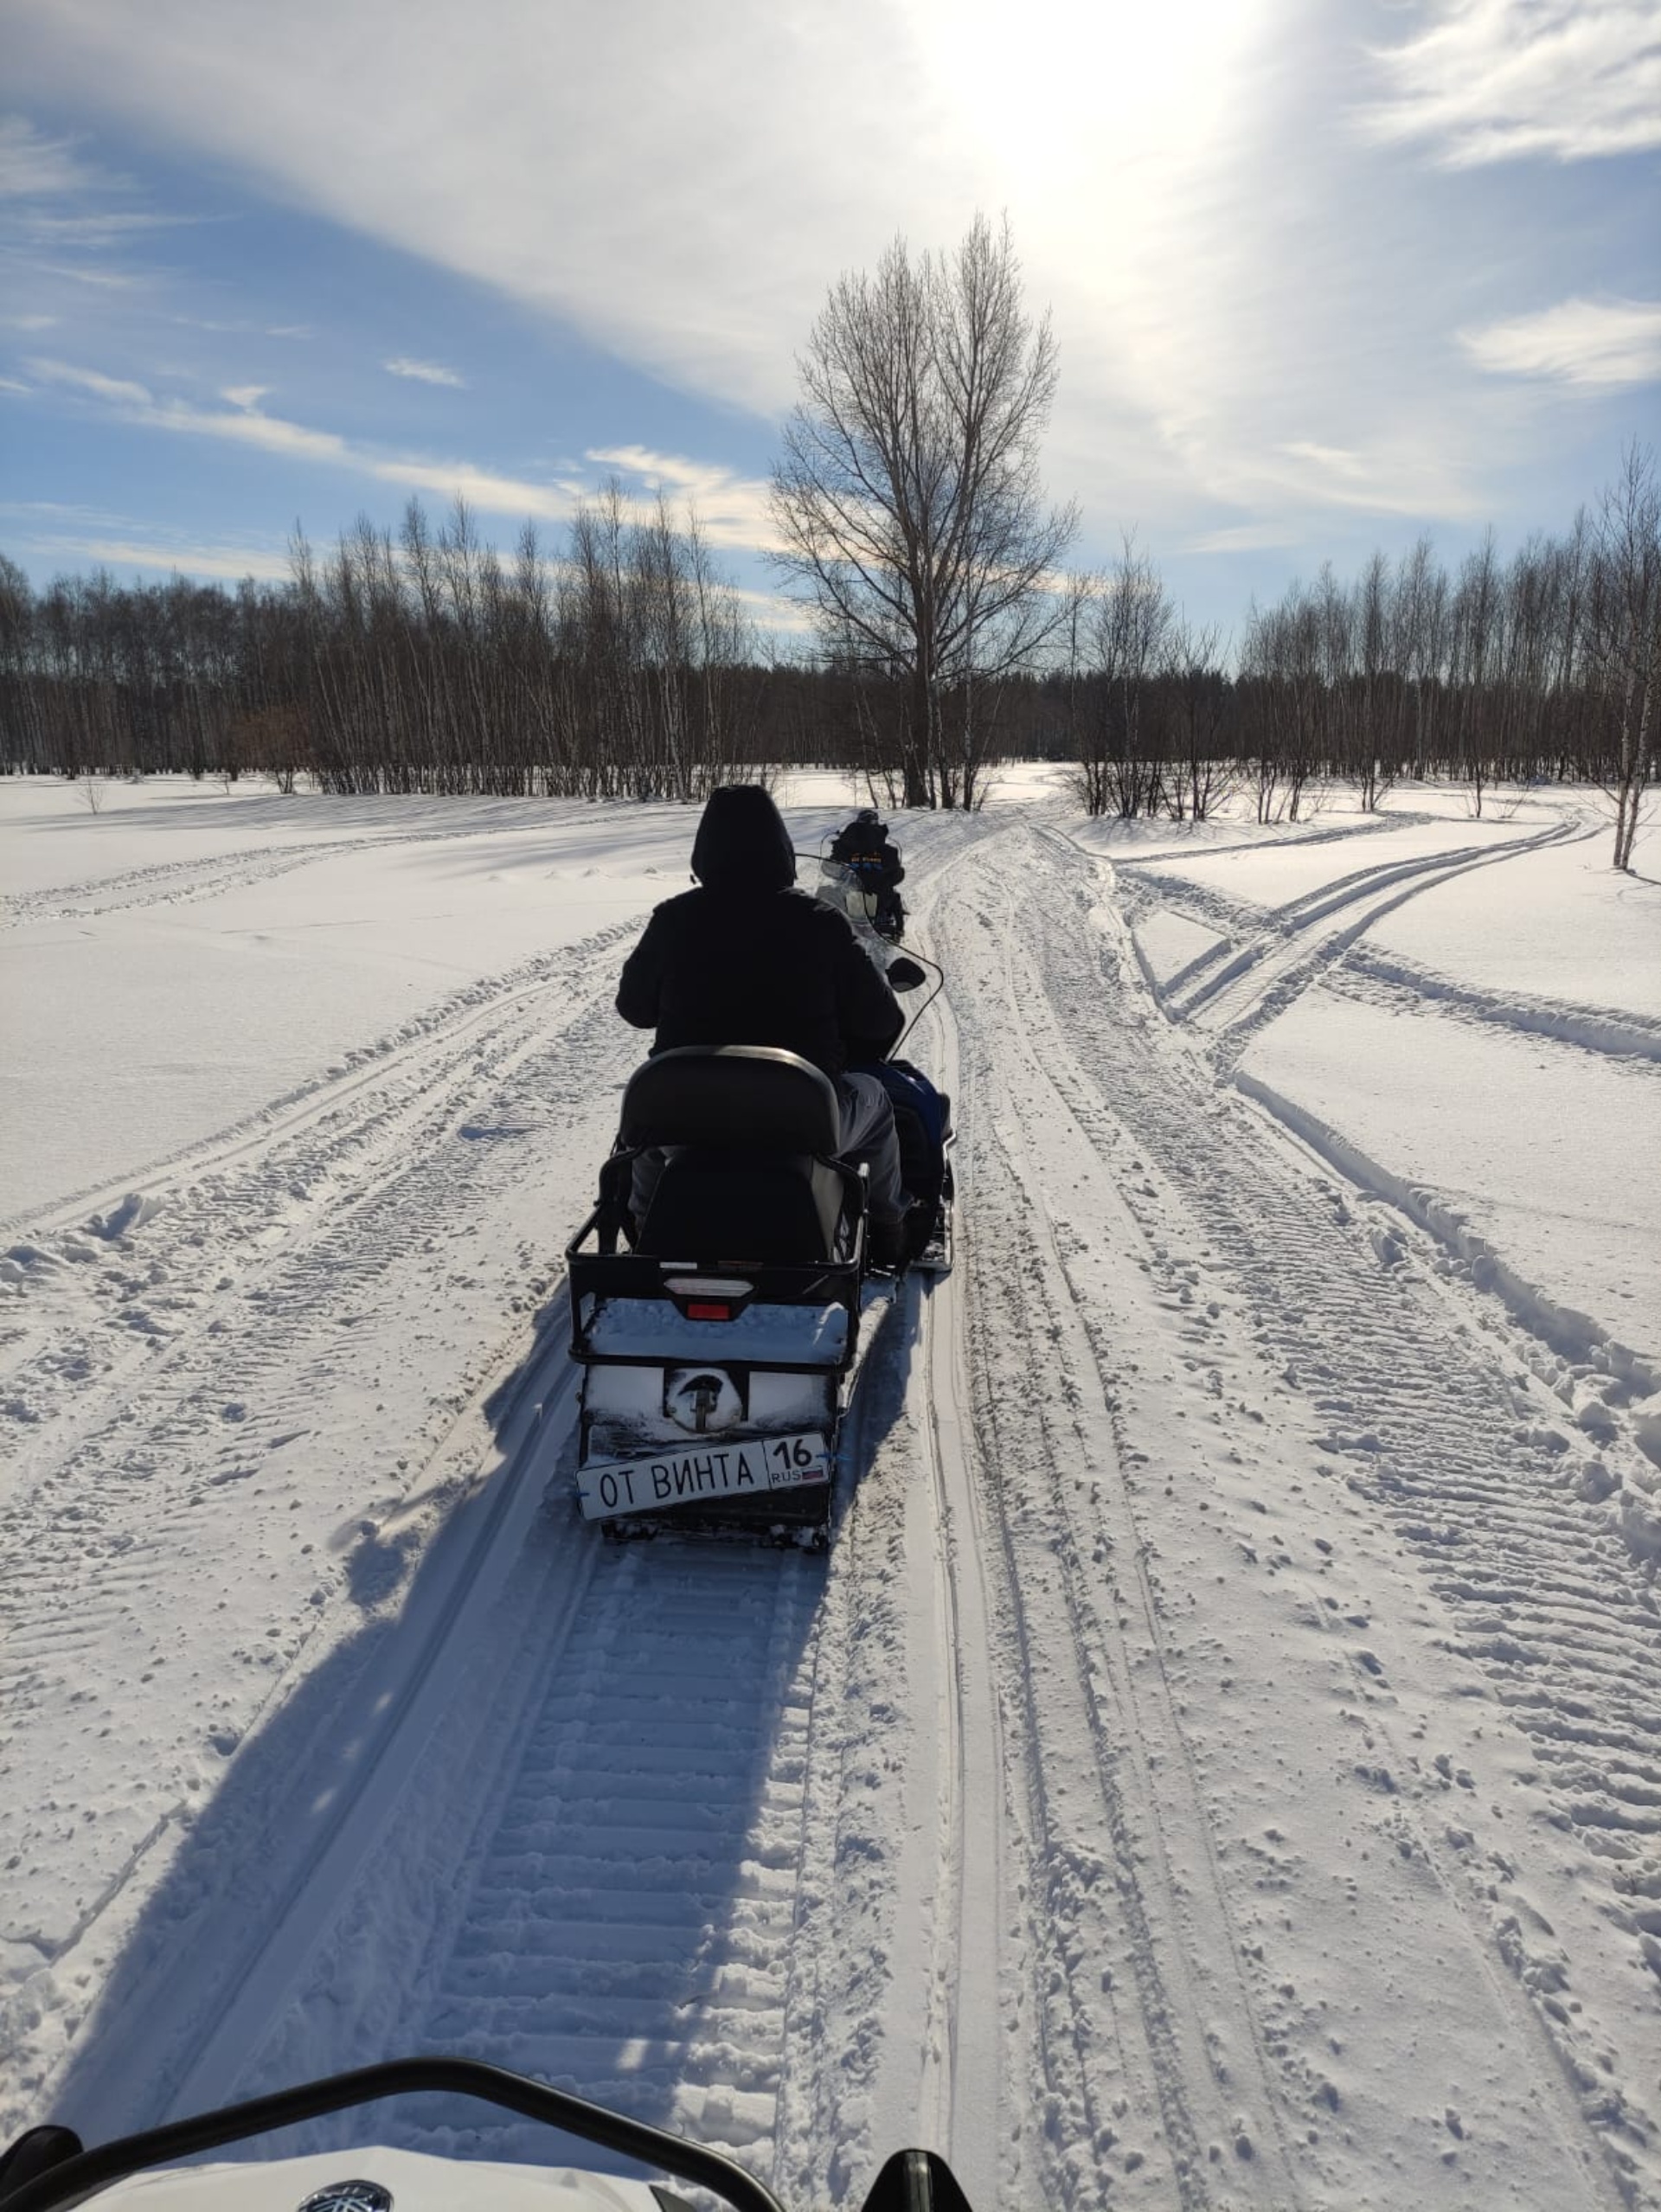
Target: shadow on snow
403, 1959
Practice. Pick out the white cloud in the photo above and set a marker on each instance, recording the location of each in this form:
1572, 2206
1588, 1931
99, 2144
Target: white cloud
732, 509
98, 231
1601, 342
425, 372
241, 326
773, 612
1253, 306
100, 279
1172, 175
267, 564
722, 189
1494, 80
81, 514
90, 380
1244, 538
57, 529
33, 166
1403, 473
11, 384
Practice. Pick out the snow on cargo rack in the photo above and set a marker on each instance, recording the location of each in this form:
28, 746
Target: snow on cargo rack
778, 1313
773, 1334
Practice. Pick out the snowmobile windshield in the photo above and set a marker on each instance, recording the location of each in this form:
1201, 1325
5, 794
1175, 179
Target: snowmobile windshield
742, 844
48, 2171
843, 885
474, 2139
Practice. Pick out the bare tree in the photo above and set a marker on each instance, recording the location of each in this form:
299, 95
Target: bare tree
1627, 631
1121, 739
1202, 774
908, 501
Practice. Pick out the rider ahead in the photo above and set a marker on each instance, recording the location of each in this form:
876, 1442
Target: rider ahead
866, 847
747, 958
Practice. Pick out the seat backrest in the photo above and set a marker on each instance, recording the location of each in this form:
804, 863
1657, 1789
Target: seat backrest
719, 1205
755, 1096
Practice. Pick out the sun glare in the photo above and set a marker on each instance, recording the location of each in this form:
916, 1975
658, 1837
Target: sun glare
1057, 95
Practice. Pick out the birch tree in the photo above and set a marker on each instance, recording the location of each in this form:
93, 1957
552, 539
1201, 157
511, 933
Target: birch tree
908, 502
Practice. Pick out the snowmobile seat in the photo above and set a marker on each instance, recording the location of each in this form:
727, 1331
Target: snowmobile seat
732, 1094
750, 1132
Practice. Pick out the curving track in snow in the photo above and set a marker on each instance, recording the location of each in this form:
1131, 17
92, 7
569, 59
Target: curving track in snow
1236, 988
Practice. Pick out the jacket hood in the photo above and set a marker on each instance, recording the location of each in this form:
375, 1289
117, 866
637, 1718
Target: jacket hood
742, 844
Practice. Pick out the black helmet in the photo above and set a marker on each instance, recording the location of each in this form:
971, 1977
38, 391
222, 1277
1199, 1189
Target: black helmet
867, 814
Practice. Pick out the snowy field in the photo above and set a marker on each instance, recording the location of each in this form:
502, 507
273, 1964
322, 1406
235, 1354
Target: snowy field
1218, 1762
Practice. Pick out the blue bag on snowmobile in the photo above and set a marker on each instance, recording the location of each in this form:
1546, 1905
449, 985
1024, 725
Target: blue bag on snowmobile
922, 1118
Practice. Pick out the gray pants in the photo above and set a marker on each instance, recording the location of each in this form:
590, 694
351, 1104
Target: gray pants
868, 1134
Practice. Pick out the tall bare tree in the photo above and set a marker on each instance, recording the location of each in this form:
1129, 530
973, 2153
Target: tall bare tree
908, 500
1627, 631
1121, 738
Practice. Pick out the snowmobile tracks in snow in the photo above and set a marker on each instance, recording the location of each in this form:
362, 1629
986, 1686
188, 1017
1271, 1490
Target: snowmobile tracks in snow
1405, 1406
629, 1926
245, 1392
180, 883
810, 1855
1135, 1974
1233, 990
601, 1845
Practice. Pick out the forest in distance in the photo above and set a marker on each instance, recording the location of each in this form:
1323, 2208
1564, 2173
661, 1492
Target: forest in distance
624, 666
909, 520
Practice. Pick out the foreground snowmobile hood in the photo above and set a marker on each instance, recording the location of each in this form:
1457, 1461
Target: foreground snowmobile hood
48, 2171
378, 2179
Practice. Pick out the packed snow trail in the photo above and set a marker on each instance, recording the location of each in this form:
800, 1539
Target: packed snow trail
1214, 1766
290, 1327
1278, 1293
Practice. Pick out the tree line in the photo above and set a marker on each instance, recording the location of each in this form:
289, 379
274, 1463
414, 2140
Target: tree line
423, 661
628, 667
1541, 668
910, 520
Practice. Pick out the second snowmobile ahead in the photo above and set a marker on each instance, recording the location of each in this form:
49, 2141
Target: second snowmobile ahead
865, 847
877, 914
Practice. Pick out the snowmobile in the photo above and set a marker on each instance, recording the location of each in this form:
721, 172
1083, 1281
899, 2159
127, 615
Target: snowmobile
720, 1333
865, 851
876, 909
47, 2169
717, 1351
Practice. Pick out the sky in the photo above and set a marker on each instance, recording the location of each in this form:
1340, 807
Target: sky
1323, 274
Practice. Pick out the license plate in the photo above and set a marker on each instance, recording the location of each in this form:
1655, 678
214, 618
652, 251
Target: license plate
746, 1469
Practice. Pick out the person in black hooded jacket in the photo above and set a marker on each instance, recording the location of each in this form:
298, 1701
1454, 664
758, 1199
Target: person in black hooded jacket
866, 847
747, 958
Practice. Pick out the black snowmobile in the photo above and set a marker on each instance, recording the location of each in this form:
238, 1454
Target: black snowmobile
864, 851
722, 1300
721, 1334
48, 2171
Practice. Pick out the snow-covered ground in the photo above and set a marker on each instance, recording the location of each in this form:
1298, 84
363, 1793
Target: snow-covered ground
1218, 1762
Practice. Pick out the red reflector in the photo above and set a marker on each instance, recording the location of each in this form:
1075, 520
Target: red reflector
701, 1311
